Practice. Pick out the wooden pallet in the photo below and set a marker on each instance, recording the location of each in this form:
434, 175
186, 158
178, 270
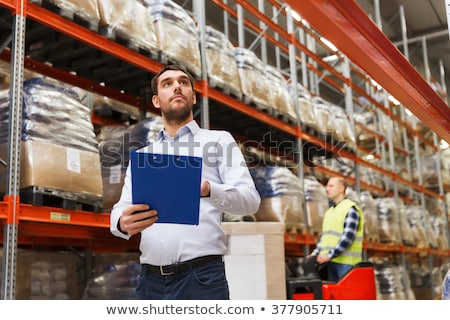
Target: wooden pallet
39, 196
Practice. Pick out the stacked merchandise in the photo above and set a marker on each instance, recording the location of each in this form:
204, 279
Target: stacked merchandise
445, 166
406, 230
343, 132
305, 106
59, 152
116, 282
388, 221
419, 220
316, 203
176, 33
324, 119
368, 207
128, 21
428, 170
391, 282
282, 197
221, 65
84, 10
115, 143
440, 230
254, 80
282, 101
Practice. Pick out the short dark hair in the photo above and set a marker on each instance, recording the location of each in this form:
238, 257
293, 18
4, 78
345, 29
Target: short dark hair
175, 67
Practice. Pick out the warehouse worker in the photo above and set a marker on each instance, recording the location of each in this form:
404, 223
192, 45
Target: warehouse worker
181, 261
340, 245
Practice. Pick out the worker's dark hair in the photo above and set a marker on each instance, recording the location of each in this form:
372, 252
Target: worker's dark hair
175, 67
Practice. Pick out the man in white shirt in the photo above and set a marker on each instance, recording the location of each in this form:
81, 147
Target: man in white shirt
181, 261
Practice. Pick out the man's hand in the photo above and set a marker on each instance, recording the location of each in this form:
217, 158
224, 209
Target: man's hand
322, 258
136, 218
205, 189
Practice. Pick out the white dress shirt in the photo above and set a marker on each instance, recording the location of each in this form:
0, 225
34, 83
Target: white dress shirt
232, 190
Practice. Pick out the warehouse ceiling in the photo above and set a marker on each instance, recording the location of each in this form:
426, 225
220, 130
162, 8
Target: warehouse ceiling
426, 33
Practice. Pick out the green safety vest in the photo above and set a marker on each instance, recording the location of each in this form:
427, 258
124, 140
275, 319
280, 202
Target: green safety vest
333, 228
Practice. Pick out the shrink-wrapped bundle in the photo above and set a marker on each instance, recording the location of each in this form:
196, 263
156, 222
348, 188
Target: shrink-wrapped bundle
368, 207
86, 10
177, 34
128, 21
367, 120
305, 105
406, 231
282, 197
343, 131
115, 144
388, 221
60, 156
324, 123
281, 99
221, 64
255, 84
316, 201
439, 227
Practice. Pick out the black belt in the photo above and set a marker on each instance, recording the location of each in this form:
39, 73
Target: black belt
182, 266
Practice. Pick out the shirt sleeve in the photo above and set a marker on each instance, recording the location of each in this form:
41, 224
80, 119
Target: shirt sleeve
124, 201
350, 226
236, 194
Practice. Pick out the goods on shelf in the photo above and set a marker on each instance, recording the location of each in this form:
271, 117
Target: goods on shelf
220, 63
255, 83
390, 279
316, 200
84, 10
282, 197
388, 219
176, 33
428, 169
366, 120
445, 166
59, 151
281, 100
342, 130
305, 106
45, 275
419, 220
115, 144
368, 207
324, 123
129, 22
439, 229
116, 282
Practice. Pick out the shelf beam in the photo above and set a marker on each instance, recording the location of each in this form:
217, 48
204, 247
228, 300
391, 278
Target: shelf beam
348, 27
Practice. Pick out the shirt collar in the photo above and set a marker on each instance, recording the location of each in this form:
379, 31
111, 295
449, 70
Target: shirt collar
190, 127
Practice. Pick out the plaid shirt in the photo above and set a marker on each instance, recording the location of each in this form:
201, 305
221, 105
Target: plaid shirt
350, 226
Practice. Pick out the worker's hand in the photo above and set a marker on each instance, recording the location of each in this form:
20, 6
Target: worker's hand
205, 189
322, 258
136, 218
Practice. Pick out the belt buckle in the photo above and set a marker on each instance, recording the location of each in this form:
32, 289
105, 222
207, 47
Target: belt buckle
163, 273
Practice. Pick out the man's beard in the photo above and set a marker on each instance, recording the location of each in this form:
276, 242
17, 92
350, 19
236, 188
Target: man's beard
177, 115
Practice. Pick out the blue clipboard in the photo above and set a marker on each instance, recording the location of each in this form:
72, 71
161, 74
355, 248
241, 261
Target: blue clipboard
169, 184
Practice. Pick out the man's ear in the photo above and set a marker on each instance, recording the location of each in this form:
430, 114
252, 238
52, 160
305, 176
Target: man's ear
155, 101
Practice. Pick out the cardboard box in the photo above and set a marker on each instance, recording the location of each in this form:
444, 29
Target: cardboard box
255, 261
56, 167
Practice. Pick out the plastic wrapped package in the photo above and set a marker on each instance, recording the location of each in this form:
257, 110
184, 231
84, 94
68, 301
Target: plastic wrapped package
130, 21
406, 231
305, 105
116, 282
343, 131
368, 207
282, 197
445, 166
389, 278
115, 144
388, 221
417, 218
54, 113
439, 228
254, 80
324, 119
368, 120
281, 98
316, 203
429, 169
85, 9
221, 64
177, 34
